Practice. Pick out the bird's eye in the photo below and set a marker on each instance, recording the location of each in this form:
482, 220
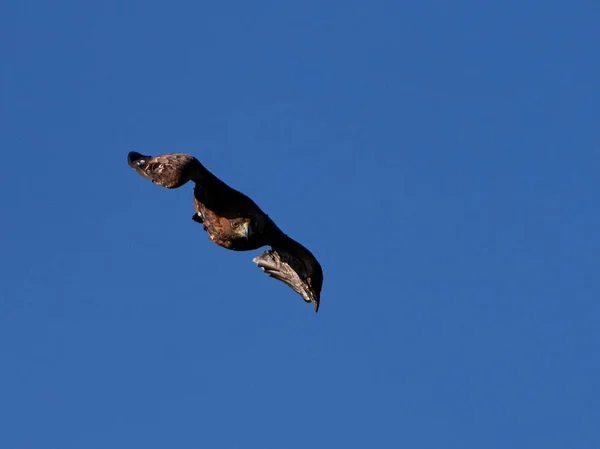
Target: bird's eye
235, 224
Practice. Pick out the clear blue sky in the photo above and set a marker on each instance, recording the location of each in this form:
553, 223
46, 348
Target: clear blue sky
441, 159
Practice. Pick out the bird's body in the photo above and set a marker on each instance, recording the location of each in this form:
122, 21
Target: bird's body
224, 211
233, 221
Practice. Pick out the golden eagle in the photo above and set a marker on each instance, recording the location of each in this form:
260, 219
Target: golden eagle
234, 221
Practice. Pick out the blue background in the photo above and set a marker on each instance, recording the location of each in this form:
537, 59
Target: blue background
440, 158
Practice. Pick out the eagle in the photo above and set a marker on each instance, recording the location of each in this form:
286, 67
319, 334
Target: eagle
235, 222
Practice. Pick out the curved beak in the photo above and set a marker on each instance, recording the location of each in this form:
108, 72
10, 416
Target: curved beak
247, 230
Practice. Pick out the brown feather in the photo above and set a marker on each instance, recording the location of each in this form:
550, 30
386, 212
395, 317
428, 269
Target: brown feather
303, 274
234, 221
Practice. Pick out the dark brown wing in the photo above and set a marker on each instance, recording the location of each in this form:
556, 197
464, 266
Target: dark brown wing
167, 170
293, 264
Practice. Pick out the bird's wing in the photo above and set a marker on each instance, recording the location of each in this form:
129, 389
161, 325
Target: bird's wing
297, 267
167, 170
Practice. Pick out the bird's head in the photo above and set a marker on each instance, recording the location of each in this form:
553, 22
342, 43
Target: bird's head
242, 227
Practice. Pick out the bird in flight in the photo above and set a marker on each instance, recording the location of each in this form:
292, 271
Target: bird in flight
235, 222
